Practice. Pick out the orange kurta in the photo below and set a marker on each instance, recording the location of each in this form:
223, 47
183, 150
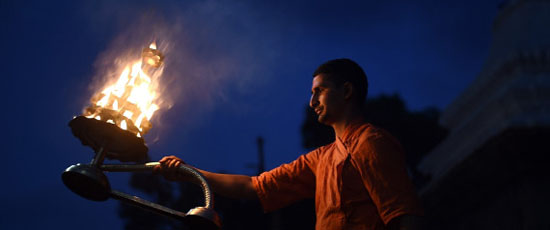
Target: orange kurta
359, 181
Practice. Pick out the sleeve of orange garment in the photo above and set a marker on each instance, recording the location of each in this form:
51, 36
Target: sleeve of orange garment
287, 183
381, 163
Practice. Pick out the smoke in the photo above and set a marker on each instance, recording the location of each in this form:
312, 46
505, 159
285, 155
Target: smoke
212, 51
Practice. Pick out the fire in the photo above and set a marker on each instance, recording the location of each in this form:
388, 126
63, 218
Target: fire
130, 102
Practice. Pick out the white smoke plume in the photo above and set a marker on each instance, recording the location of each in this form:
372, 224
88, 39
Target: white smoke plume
211, 48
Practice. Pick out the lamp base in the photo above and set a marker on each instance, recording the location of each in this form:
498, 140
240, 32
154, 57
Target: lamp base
122, 145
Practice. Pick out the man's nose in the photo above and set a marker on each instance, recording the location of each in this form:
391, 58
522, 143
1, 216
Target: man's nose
313, 102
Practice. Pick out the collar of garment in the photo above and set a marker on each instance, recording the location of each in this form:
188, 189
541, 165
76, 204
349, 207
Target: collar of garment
351, 133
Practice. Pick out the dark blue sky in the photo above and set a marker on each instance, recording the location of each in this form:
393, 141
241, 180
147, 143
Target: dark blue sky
236, 71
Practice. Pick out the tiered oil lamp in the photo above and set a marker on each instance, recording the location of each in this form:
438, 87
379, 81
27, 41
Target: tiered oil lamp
113, 126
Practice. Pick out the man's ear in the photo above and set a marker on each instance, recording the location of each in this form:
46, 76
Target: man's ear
348, 90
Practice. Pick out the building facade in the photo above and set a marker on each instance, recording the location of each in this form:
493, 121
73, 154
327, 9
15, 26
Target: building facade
489, 173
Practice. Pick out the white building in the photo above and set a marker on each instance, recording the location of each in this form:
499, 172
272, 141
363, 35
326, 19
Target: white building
490, 169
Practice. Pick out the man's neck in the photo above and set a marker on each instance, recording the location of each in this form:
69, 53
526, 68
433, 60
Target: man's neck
351, 118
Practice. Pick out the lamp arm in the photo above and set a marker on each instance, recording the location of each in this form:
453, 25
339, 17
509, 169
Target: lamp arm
200, 179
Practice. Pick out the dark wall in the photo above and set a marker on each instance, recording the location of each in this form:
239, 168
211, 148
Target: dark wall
503, 185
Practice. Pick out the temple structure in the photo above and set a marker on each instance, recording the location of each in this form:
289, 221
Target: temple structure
490, 171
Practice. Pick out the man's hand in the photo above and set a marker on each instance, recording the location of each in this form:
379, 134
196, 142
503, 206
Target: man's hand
169, 168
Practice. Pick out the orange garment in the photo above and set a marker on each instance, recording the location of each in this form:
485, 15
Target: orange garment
359, 182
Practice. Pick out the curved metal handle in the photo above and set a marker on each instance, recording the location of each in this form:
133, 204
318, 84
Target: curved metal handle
200, 180
200, 217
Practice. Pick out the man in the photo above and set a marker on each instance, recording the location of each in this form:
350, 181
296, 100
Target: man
359, 181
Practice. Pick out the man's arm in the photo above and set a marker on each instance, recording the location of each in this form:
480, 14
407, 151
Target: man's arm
229, 185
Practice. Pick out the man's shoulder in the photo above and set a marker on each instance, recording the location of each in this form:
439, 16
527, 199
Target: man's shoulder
368, 132
372, 140
321, 150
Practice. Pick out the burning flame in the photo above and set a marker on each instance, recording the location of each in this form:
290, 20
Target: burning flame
129, 103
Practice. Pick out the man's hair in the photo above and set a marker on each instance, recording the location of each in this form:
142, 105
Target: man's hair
344, 70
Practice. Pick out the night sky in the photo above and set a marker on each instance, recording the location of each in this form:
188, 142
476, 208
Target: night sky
234, 71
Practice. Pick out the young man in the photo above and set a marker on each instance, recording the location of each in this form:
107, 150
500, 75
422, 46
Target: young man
359, 181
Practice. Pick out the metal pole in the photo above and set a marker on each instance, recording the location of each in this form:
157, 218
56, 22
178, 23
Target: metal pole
261, 167
99, 156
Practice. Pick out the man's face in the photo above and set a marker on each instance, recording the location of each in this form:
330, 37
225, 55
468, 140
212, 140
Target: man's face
327, 99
